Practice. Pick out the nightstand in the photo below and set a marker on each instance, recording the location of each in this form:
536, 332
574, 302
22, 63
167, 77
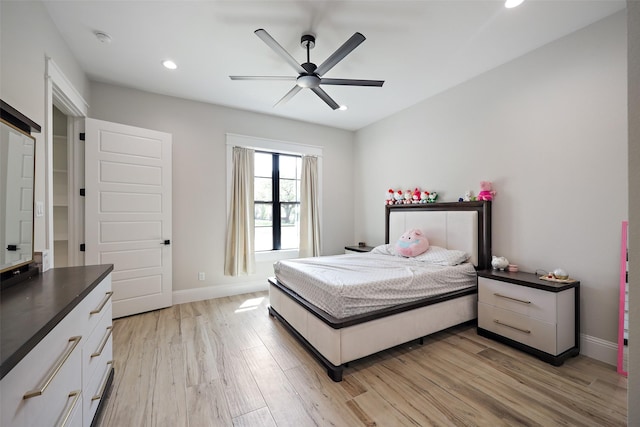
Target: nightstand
533, 315
357, 249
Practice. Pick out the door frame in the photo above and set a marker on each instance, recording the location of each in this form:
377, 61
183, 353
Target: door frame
60, 92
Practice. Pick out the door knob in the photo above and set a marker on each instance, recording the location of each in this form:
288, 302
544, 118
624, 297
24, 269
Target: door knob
167, 242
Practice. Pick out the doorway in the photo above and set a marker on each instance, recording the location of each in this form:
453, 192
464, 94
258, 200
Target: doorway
61, 217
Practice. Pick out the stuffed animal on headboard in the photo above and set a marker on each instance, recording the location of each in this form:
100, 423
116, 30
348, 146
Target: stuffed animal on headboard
486, 191
412, 243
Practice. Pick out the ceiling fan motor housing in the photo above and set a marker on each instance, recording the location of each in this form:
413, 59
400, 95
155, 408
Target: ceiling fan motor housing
308, 40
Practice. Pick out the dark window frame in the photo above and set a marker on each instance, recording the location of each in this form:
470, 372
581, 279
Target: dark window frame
276, 204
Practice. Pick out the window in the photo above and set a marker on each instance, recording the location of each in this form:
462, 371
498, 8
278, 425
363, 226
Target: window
277, 200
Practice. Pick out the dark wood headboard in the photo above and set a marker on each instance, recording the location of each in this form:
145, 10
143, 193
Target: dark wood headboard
484, 222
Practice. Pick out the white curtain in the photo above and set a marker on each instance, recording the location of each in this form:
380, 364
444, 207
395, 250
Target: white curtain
239, 256
309, 209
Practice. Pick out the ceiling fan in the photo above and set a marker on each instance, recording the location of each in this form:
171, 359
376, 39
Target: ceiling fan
310, 75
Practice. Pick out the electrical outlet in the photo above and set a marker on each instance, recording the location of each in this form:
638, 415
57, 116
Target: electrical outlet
201, 275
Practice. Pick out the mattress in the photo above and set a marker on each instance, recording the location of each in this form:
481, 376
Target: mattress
352, 284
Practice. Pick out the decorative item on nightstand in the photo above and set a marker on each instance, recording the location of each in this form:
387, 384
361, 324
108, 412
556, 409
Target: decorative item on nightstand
499, 263
534, 315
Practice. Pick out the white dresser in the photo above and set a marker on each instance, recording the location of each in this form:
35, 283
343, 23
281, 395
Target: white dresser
56, 347
531, 314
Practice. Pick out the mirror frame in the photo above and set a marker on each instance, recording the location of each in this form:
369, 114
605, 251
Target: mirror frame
15, 119
16, 265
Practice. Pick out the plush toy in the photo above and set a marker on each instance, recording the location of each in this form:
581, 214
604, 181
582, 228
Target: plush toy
486, 191
412, 243
467, 197
389, 197
416, 196
424, 197
398, 197
408, 196
433, 196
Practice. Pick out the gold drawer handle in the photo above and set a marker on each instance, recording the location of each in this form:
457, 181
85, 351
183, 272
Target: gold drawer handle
65, 419
54, 371
526, 331
102, 303
103, 386
512, 299
103, 342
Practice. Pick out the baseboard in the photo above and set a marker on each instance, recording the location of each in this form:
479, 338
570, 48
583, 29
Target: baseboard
599, 349
218, 291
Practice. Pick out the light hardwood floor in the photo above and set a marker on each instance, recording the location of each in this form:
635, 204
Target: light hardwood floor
226, 362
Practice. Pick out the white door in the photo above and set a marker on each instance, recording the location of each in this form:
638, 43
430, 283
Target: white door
128, 212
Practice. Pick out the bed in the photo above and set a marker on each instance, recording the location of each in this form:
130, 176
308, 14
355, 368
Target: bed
341, 333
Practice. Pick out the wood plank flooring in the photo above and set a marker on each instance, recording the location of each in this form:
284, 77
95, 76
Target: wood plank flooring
226, 362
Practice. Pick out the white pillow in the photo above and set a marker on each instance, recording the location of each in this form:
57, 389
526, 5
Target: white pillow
443, 256
386, 249
434, 255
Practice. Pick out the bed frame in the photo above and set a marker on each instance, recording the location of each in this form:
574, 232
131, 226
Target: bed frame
336, 342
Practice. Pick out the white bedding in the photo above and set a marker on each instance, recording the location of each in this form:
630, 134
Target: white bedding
347, 285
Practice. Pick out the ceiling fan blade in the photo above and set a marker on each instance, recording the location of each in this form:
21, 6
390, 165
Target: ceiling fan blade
352, 82
289, 95
339, 54
270, 41
283, 78
325, 97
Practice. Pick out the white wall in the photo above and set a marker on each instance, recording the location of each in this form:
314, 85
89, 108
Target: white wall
199, 174
633, 391
550, 130
27, 37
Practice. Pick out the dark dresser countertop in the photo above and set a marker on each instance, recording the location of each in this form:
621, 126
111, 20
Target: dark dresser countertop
31, 309
529, 280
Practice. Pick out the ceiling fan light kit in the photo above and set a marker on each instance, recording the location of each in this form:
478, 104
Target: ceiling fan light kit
310, 75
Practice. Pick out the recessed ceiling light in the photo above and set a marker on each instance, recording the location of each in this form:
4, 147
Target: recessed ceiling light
102, 37
509, 4
167, 63
343, 108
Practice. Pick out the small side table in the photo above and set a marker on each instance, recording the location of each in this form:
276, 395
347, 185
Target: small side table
531, 314
357, 249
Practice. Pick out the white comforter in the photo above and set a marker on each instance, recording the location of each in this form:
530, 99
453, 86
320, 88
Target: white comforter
347, 285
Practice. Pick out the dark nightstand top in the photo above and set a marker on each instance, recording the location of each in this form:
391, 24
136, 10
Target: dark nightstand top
530, 280
359, 248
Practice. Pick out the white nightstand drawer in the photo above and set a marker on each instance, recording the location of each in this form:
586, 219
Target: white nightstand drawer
526, 330
520, 299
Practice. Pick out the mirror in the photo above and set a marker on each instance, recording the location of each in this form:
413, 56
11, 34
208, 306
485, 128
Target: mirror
623, 312
17, 166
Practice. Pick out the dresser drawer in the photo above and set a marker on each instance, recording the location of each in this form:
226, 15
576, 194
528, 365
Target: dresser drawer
97, 347
527, 301
95, 389
52, 368
72, 415
526, 330
94, 306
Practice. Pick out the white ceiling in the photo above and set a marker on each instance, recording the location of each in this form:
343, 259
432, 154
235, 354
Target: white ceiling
420, 48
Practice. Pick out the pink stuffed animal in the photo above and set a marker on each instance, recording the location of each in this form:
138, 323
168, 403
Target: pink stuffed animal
416, 196
486, 191
412, 243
